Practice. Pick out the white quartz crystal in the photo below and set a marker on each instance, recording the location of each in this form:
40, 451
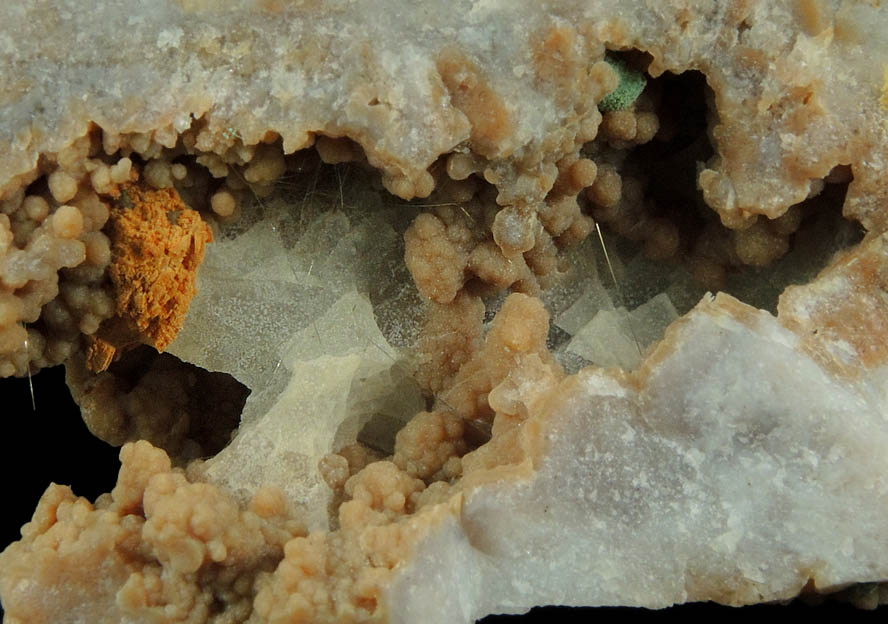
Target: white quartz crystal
336, 382
285, 307
620, 338
733, 468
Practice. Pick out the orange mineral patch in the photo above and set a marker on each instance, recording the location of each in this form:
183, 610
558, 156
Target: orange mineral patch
157, 246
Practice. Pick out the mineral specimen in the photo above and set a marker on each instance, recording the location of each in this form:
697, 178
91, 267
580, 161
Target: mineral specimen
435, 281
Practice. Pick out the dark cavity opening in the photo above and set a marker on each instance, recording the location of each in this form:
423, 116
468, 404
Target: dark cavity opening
201, 409
659, 186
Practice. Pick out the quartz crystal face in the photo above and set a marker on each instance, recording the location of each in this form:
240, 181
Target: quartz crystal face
422, 312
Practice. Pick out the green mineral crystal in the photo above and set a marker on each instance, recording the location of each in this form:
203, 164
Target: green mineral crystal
631, 85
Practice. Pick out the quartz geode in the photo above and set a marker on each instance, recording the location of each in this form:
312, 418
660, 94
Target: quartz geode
453, 411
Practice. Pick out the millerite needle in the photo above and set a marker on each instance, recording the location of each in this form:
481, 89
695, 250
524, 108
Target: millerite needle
610, 268
30, 381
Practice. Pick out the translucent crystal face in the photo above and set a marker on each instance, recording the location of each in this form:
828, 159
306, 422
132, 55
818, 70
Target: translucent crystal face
306, 300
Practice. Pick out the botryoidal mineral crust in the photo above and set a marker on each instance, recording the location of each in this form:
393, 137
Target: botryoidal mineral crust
742, 461
798, 84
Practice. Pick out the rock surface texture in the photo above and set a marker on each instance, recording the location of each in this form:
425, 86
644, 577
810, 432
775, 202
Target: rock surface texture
383, 220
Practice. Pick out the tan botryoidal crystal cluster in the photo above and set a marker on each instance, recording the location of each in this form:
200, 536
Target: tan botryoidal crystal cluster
167, 548
418, 314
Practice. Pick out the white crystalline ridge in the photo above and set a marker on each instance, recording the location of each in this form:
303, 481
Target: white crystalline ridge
307, 67
741, 470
